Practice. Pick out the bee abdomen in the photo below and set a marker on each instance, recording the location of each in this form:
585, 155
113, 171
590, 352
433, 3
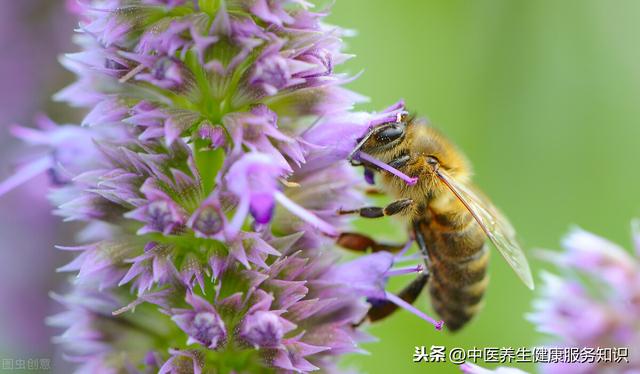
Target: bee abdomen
458, 259
458, 285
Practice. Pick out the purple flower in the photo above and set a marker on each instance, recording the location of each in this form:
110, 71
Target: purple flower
202, 324
166, 72
253, 179
207, 220
93, 337
182, 361
594, 303
209, 171
368, 276
159, 212
214, 134
69, 151
263, 329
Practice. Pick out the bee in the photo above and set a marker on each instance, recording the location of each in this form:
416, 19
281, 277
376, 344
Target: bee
449, 218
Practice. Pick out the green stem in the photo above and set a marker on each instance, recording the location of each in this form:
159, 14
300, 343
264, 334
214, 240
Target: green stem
209, 162
128, 324
209, 6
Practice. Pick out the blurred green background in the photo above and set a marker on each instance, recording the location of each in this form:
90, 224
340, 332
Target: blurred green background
543, 98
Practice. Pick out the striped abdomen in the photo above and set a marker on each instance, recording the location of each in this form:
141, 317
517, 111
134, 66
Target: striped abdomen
458, 262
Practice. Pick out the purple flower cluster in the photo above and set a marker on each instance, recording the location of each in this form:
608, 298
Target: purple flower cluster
595, 303
206, 174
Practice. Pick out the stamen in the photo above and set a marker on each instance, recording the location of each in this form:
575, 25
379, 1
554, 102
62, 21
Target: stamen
305, 215
132, 73
409, 180
405, 305
404, 249
286, 183
129, 307
408, 270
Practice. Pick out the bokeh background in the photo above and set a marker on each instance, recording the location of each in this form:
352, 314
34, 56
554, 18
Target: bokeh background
542, 97
32, 34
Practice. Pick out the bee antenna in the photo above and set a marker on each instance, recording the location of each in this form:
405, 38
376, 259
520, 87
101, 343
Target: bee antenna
359, 145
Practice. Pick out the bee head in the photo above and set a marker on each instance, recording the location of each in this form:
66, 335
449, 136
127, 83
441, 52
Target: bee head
381, 137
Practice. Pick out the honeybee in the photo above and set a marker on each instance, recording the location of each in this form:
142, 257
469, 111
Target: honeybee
447, 216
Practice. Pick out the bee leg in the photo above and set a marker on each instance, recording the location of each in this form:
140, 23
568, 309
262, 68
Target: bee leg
362, 243
382, 308
372, 191
422, 244
393, 208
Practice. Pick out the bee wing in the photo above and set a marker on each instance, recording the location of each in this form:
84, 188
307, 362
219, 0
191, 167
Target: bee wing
493, 223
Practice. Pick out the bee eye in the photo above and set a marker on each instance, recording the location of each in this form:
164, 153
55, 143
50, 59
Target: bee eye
433, 161
390, 134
